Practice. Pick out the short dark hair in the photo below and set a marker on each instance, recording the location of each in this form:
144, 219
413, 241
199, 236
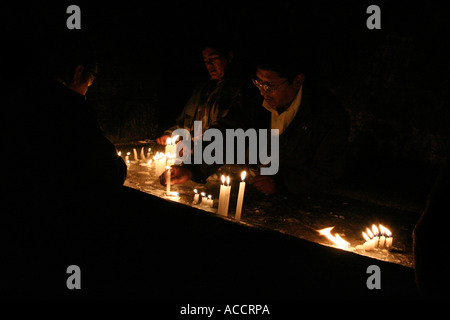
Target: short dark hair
218, 43
72, 53
286, 62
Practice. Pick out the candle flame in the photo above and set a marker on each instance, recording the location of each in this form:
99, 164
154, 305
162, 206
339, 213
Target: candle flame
195, 190
365, 236
375, 230
223, 179
169, 141
243, 174
369, 233
158, 155
382, 232
203, 194
387, 232
336, 239
119, 153
128, 153
209, 196
228, 180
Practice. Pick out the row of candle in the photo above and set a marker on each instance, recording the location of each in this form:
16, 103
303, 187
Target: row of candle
163, 163
205, 201
377, 238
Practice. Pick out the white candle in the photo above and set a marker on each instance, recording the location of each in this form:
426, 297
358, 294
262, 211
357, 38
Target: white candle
210, 201
168, 180
224, 197
372, 240
368, 244
204, 199
160, 163
240, 199
382, 237
196, 197
375, 235
169, 146
135, 155
389, 239
170, 159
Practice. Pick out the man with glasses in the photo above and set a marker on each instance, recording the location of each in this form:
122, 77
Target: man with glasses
313, 126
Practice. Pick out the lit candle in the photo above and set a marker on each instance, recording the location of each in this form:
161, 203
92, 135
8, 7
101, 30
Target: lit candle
127, 157
119, 153
389, 239
169, 146
160, 163
210, 201
224, 197
170, 159
372, 239
240, 199
204, 199
375, 235
382, 238
168, 180
148, 153
173, 195
368, 245
196, 197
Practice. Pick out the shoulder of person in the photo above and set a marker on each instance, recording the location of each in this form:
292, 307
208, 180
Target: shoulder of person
322, 101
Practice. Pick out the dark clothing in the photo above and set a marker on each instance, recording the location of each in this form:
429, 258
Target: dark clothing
75, 152
313, 147
62, 190
211, 102
430, 257
311, 150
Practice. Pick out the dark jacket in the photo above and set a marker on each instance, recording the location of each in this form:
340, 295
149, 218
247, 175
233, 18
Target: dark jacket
211, 102
313, 147
74, 150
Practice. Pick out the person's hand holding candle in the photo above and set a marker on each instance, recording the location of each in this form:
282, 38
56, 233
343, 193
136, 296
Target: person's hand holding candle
163, 139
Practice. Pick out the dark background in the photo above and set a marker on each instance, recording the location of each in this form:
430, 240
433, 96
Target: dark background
393, 81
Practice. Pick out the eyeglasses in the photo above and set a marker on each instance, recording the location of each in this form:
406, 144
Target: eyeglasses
267, 87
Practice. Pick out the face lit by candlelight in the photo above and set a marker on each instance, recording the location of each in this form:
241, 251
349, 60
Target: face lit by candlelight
82, 80
285, 91
216, 63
